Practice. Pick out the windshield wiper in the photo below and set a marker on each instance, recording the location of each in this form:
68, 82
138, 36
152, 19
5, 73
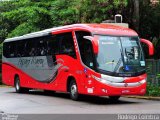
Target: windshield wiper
119, 61
117, 65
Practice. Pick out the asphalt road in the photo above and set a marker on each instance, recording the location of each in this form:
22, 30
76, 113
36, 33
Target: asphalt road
38, 102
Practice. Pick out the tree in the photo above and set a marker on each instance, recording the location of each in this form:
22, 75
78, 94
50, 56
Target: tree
85, 11
25, 16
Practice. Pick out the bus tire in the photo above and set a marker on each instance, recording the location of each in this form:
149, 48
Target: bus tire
17, 86
114, 98
73, 90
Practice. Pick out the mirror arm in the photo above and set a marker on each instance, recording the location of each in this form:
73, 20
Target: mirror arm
150, 45
94, 43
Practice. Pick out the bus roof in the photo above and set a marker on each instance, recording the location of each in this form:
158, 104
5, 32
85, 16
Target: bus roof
93, 28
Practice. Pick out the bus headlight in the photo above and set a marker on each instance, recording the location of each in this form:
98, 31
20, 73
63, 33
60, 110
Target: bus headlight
142, 81
119, 84
109, 79
101, 80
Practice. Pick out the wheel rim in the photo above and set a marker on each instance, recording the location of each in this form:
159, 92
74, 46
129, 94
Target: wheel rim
73, 90
17, 85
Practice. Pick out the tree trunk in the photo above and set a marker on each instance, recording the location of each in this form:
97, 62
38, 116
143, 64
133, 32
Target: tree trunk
135, 16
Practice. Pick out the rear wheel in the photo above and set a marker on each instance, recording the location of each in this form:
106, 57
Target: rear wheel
114, 98
18, 87
73, 90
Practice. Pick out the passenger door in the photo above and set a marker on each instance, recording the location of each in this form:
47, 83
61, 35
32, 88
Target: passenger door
66, 58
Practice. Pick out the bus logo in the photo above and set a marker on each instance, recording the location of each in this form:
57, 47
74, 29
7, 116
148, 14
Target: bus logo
125, 85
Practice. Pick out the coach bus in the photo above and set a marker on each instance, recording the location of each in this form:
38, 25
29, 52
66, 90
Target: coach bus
91, 59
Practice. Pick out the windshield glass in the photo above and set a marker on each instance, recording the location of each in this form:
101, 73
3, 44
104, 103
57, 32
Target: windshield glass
120, 55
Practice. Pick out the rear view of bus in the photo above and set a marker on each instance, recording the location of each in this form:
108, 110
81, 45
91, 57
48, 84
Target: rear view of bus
100, 60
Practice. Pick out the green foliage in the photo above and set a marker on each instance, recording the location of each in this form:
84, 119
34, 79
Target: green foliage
22, 29
63, 12
25, 16
149, 25
149, 20
80, 11
153, 90
1, 47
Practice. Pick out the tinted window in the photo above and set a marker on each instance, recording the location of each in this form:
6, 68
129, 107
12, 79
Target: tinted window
53, 46
30, 48
66, 44
41, 46
6, 49
10, 49
85, 47
20, 48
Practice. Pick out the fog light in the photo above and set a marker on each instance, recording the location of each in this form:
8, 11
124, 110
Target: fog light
143, 81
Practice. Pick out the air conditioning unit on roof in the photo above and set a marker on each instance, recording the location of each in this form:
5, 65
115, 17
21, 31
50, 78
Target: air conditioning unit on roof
118, 18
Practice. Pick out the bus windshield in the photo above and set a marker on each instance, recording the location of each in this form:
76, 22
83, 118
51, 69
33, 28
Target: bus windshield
121, 56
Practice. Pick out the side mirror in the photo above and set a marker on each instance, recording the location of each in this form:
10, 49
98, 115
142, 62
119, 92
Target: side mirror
94, 41
149, 44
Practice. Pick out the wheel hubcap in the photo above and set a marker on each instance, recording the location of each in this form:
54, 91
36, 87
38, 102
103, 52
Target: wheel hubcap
73, 90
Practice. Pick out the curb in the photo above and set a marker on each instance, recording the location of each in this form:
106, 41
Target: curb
145, 97
5, 86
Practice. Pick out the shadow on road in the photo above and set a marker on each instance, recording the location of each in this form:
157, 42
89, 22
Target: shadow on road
83, 98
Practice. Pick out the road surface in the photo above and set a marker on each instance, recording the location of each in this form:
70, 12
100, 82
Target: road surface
38, 102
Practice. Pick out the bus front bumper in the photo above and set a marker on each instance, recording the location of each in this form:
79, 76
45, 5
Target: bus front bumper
107, 90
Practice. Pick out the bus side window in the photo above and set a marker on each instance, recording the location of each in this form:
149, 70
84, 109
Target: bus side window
20, 48
29, 48
53, 45
6, 49
66, 44
12, 49
41, 47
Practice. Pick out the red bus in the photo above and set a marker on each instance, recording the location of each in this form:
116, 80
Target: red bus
91, 59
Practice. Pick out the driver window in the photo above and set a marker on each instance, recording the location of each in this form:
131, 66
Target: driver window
85, 47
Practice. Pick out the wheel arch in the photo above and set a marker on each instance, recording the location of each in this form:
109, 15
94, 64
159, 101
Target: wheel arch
69, 79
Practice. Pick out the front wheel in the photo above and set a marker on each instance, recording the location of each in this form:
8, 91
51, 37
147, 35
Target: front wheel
73, 90
17, 86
